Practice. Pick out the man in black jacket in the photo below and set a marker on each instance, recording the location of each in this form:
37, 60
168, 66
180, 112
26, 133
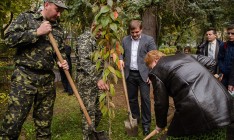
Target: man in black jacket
211, 46
231, 90
202, 103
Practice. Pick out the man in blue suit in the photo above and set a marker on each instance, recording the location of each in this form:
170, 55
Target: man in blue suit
136, 46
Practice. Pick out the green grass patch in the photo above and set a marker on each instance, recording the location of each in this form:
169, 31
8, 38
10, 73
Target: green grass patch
66, 123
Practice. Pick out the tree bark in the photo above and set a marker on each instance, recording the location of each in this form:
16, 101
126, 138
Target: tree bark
151, 24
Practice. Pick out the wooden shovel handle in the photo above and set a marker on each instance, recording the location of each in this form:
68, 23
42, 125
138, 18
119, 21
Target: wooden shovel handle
154, 132
69, 78
125, 91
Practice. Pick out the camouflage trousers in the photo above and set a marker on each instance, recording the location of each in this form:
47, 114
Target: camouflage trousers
29, 88
89, 94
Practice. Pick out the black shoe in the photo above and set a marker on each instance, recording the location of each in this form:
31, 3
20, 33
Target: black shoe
146, 131
70, 93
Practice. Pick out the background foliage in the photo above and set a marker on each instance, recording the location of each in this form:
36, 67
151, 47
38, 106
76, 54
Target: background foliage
177, 23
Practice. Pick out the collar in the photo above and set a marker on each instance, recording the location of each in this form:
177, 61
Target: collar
213, 42
137, 39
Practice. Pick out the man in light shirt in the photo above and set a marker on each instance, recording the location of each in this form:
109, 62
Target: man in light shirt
136, 46
211, 46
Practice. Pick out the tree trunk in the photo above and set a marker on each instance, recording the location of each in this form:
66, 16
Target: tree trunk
151, 24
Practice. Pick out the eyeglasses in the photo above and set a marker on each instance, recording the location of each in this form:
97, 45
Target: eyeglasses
229, 33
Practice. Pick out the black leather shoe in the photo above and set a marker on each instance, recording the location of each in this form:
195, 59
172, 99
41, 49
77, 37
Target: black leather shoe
146, 131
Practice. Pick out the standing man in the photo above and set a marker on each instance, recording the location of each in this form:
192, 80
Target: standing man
90, 80
136, 45
32, 82
211, 47
66, 85
226, 56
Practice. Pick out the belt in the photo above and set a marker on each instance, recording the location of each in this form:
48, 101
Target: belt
135, 71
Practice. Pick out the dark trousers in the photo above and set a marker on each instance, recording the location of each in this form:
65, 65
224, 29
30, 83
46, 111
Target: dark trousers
66, 84
135, 82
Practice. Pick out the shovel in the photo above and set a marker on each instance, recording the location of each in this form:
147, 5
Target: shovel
154, 132
95, 135
131, 124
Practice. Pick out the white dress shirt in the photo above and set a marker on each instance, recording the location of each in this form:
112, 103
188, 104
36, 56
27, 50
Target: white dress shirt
212, 49
134, 53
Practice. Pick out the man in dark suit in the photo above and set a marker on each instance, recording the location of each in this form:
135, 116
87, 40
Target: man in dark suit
66, 85
211, 46
136, 45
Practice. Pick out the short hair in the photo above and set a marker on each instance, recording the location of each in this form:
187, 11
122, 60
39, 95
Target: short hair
152, 56
230, 27
212, 29
135, 24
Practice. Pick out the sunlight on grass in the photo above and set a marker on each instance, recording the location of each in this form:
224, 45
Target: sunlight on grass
66, 123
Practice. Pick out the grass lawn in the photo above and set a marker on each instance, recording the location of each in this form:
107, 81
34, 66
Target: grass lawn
66, 123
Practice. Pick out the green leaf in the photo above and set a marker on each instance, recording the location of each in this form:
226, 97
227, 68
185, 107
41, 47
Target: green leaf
112, 15
104, 9
104, 110
95, 9
105, 21
110, 3
97, 17
118, 73
106, 55
115, 78
113, 27
96, 56
112, 89
111, 69
106, 72
98, 64
102, 96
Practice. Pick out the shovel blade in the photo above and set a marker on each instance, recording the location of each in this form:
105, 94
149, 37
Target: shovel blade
131, 128
101, 135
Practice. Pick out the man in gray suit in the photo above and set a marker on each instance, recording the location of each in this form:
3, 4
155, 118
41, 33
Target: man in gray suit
136, 46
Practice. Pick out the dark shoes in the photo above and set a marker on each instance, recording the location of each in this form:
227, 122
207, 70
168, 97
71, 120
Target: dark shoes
68, 92
146, 131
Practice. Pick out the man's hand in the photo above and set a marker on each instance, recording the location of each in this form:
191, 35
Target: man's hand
158, 129
121, 62
102, 85
148, 81
63, 65
44, 28
230, 87
219, 76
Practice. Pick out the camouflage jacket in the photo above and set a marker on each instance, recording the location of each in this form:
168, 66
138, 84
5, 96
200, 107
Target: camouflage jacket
33, 51
84, 50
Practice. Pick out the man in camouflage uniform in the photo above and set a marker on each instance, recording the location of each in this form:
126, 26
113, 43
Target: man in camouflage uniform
89, 79
32, 82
